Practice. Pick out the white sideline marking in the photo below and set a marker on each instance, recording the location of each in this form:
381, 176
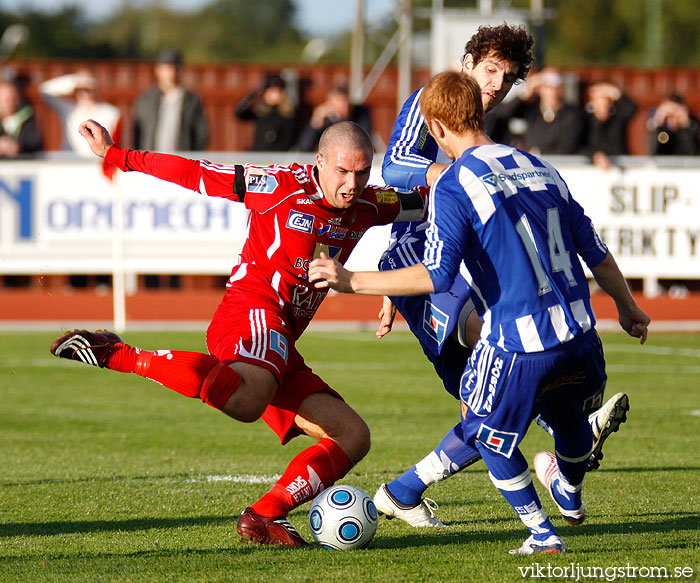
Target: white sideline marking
661, 350
240, 478
697, 413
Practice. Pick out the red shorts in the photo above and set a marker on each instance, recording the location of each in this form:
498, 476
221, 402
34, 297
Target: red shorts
259, 336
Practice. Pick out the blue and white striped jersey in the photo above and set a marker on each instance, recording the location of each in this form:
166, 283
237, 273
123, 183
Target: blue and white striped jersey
410, 152
510, 217
411, 148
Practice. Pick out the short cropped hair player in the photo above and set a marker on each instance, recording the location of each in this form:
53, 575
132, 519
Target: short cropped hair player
446, 324
520, 237
253, 369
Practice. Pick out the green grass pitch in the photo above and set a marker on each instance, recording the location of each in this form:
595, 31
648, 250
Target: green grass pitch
109, 477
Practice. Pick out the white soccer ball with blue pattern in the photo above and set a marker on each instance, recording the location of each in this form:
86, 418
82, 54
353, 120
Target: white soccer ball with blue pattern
343, 518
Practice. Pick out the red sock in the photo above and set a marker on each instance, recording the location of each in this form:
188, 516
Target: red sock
192, 374
312, 471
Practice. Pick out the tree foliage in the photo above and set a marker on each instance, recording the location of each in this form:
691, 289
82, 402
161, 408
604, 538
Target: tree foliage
624, 32
581, 32
222, 30
64, 33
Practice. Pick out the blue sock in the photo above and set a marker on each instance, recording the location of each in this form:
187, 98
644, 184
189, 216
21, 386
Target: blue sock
572, 451
573, 442
451, 456
513, 479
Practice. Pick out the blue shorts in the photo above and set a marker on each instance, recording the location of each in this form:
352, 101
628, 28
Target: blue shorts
503, 391
433, 318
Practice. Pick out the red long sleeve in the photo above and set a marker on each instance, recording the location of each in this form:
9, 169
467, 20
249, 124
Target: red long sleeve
168, 167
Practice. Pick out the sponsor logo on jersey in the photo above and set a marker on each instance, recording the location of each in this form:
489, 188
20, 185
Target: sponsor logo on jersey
357, 234
335, 220
423, 136
524, 175
502, 442
261, 183
386, 196
300, 222
278, 343
567, 379
302, 263
301, 175
304, 201
330, 250
529, 177
306, 301
306, 297
491, 179
333, 232
594, 402
494, 376
435, 322
484, 379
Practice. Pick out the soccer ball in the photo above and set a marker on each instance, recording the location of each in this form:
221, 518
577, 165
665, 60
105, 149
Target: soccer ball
343, 518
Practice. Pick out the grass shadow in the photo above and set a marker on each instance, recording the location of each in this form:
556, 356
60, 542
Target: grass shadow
92, 526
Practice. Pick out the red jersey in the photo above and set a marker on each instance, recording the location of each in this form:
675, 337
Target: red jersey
289, 225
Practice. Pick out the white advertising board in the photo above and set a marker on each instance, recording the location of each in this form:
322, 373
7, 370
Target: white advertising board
648, 216
60, 217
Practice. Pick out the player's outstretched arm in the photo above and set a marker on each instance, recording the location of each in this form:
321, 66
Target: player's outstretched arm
632, 318
327, 273
96, 136
182, 171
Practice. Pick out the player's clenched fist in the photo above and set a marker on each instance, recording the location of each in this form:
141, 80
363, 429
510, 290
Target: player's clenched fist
97, 137
328, 273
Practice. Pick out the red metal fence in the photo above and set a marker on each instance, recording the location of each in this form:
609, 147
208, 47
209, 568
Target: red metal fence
222, 86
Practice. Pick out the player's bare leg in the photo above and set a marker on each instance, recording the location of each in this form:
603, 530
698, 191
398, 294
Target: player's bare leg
249, 401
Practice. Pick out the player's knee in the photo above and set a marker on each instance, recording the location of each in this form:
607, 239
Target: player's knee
246, 412
246, 406
355, 438
365, 440
253, 395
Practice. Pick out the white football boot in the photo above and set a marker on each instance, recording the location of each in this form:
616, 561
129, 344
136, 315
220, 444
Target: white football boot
604, 422
552, 545
421, 515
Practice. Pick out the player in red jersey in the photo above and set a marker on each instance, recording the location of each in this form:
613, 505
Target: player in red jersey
253, 369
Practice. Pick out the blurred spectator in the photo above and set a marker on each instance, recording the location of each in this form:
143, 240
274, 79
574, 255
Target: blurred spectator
19, 132
274, 115
551, 125
83, 104
673, 130
608, 112
168, 117
336, 107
